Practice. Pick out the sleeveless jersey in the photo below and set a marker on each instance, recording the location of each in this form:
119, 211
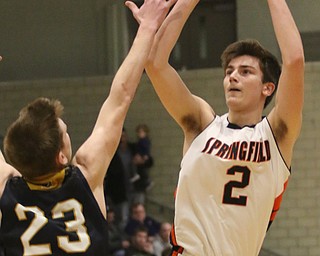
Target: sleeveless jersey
230, 186
62, 221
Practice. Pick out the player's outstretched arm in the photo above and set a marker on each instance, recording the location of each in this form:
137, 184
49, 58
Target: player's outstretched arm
286, 117
95, 154
181, 104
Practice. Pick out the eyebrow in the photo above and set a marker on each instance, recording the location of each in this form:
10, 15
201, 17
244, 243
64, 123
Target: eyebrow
241, 66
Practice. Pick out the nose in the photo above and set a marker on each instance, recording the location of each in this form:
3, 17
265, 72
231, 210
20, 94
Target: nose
233, 77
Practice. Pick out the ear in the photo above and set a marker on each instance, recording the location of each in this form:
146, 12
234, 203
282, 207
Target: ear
62, 159
268, 88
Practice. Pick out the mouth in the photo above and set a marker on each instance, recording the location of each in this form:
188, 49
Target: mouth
234, 90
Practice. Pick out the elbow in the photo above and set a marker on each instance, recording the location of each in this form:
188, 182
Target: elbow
299, 58
296, 60
128, 92
123, 93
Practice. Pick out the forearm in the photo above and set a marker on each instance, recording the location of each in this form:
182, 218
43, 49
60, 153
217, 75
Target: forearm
129, 74
113, 111
286, 31
126, 81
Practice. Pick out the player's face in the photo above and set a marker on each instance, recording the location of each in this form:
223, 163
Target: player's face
66, 150
243, 85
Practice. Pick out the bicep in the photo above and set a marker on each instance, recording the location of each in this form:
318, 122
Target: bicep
286, 116
174, 95
289, 100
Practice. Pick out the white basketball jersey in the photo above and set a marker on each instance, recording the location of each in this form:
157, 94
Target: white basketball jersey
230, 180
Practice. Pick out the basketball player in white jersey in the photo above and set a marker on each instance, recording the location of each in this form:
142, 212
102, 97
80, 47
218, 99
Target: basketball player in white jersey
236, 166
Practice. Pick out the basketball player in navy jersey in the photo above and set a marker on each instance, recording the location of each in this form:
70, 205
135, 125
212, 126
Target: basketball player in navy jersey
235, 167
58, 207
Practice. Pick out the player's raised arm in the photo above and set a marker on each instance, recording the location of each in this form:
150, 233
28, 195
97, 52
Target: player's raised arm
96, 153
189, 111
286, 117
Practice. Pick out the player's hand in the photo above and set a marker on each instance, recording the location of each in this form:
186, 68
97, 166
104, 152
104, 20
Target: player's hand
152, 12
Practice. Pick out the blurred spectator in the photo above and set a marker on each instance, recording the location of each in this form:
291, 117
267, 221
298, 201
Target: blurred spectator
117, 189
139, 218
162, 239
118, 184
117, 239
143, 142
126, 151
140, 245
143, 161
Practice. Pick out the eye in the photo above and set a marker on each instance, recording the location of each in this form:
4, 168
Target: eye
228, 72
245, 72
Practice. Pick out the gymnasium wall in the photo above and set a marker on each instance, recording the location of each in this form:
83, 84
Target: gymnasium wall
58, 38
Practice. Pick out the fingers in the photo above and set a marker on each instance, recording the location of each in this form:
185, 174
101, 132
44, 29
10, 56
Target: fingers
0, 58
151, 9
132, 6
134, 9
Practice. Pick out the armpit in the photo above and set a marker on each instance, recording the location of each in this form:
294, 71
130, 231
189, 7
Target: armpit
190, 124
280, 130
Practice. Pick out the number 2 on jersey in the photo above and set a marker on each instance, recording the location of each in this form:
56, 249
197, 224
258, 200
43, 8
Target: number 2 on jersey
245, 178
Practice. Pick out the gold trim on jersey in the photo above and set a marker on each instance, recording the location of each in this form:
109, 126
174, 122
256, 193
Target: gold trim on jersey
53, 182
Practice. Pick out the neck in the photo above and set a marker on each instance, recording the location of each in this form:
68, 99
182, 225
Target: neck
47, 182
244, 119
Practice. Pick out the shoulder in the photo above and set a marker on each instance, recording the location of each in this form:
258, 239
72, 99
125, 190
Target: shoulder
6, 172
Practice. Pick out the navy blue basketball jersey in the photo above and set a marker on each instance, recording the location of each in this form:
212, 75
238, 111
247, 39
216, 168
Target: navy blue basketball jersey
52, 219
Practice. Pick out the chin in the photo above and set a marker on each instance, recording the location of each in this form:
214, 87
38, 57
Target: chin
235, 107
232, 103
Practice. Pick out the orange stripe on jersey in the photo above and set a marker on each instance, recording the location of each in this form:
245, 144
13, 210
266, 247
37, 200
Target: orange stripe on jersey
277, 203
173, 237
176, 248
